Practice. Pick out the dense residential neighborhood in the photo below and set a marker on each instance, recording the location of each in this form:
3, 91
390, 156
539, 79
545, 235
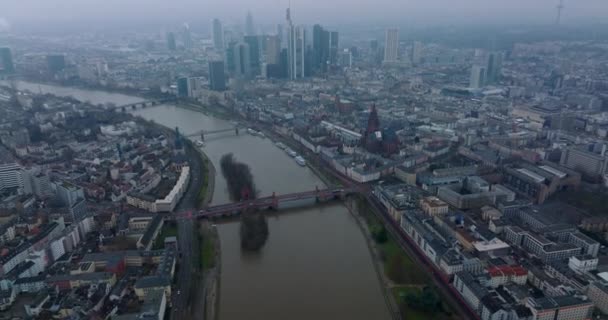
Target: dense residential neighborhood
487, 165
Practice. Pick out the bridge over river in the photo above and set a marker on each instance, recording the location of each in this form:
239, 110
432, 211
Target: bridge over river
273, 202
142, 104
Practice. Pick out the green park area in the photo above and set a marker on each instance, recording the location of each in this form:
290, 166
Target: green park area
206, 238
207, 254
421, 303
202, 193
168, 230
411, 287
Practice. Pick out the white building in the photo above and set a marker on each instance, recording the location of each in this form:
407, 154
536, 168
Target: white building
391, 45
582, 264
10, 174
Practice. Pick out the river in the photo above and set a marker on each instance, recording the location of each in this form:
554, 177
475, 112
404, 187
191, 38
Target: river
315, 264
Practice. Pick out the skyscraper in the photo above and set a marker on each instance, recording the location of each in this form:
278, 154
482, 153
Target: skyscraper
296, 49
494, 67
182, 87
187, 36
242, 65
6, 61
324, 48
319, 47
218, 35
217, 79
273, 48
333, 47
391, 45
478, 77
229, 57
249, 26
254, 53
346, 58
171, 41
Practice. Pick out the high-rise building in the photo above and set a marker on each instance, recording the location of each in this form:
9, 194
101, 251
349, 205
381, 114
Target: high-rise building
478, 77
590, 160
218, 35
333, 47
217, 79
182, 87
187, 36
10, 171
320, 47
281, 35
254, 53
229, 57
250, 27
242, 64
55, 63
391, 45
72, 196
171, 45
346, 59
6, 61
273, 49
296, 49
417, 49
284, 63
494, 67
324, 48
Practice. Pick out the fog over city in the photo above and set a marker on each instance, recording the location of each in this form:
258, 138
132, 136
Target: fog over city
304, 159
100, 14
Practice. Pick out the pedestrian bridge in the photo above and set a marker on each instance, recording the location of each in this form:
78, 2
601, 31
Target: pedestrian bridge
204, 133
274, 202
142, 104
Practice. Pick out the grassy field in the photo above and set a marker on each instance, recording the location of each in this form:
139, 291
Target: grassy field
202, 193
413, 279
410, 313
207, 253
413, 274
168, 230
206, 244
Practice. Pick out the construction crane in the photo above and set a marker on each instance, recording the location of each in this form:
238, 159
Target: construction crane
560, 7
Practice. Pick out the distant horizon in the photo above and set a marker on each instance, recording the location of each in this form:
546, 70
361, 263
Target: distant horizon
45, 15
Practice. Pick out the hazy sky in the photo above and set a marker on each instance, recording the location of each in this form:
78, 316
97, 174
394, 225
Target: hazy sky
398, 12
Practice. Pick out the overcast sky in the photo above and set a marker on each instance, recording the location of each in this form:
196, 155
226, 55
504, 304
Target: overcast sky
399, 12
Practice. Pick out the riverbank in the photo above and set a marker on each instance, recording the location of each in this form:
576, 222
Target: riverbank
222, 113
406, 285
144, 94
386, 283
208, 272
292, 259
205, 193
208, 253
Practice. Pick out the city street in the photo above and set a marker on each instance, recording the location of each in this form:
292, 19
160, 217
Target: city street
183, 292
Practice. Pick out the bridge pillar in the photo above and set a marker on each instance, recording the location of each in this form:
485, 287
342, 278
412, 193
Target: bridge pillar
275, 202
